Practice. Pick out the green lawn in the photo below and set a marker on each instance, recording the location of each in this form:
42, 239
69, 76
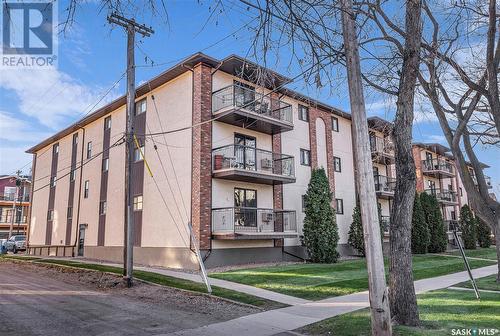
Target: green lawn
440, 311
485, 253
162, 280
488, 283
319, 281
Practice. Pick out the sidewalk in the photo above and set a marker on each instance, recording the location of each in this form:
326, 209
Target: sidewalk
290, 318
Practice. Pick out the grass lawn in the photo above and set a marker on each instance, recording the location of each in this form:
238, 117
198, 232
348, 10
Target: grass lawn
440, 311
319, 281
486, 253
488, 283
163, 280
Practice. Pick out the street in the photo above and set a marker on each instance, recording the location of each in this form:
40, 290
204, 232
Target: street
37, 300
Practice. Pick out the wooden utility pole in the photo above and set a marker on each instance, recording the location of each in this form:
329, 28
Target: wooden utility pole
14, 208
379, 299
128, 249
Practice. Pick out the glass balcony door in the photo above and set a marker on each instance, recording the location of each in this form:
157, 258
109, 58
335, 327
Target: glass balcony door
245, 152
245, 208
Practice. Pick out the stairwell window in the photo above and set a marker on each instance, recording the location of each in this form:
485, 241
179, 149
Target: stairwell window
70, 212
102, 207
337, 164
89, 149
56, 148
339, 206
50, 215
303, 203
53, 181
305, 157
137, 153
140, 106
86, 189
335, 124
107, 123
105, 164
72, 175
138, 203
303, 113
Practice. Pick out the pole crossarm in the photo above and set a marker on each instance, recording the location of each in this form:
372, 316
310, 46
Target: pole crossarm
130, 23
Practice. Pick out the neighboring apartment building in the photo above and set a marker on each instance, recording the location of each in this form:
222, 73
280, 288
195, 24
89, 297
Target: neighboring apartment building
239, 175
14, 204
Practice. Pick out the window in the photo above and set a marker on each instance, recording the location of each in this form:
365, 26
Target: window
102, 207
86, 189
56, 148
303, 203
52, 181
337, 164
9, 193
140, 107
137, 153
50, 215
461, 191
72, 175
105, 164
335, 124
89, 149
305, 157
339, 206
138, 203
303, 113
75, 139
107, 123
70, 212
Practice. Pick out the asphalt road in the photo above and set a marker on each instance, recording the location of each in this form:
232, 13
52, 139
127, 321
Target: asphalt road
37, 303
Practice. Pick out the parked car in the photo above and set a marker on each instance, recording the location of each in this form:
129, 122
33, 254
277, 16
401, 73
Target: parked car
16, 243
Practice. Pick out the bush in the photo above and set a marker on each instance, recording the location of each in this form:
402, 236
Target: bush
483, 233
437, 230
420, 237
356, 238
467, 225
320, 228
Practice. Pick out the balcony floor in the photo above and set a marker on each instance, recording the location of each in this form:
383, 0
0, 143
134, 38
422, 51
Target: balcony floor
253, 235
251, 120
438, 173
252, 176
385, 194
383, 158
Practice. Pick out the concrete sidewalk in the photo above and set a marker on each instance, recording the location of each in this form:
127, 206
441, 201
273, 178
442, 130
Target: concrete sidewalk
280, 321
196, 277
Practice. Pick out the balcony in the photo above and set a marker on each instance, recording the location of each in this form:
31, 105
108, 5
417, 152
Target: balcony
446, 197
249, 164
382, 150
451, 225
11, 197
438, 168
243, 107
384, 186
487, 179
253, 223
385, 224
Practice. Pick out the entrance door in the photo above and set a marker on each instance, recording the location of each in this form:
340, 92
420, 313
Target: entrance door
245, 151
81, 240
245, 212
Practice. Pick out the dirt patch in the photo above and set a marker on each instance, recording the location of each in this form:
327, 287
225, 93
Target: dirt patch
146, 294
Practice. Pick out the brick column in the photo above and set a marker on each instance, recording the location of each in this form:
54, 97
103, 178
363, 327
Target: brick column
277, 188
201, 189
314, 114
418, 168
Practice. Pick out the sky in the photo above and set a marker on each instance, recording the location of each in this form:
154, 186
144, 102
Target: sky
35, 104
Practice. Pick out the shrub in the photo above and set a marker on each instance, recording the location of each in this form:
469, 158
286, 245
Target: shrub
483, 233
467, 225
437, 230
420, 238
356, 239
320, 228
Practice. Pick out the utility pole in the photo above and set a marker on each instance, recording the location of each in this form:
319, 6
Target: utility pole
14, 207
379, 299
132, 27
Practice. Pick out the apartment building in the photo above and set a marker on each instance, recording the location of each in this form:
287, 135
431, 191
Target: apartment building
238, 175
14, 204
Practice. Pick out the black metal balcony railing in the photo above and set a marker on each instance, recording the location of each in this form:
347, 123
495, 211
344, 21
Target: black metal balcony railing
381, 145
11, 197
437, 165
253, 159
451, 224
384, 183
385, 223
247, 99
449, 196
241, 220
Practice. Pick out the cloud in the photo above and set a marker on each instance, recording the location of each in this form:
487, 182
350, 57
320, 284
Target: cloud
13, 158
15, 129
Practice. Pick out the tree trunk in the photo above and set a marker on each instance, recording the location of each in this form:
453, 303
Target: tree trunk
379, 305
497, 246
402, 296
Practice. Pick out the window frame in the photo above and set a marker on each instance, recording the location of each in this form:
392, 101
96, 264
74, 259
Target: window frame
89, 149
303, 202
105, 165
53, 181
50, 215
69, 212
303, 108
336, 160
137, 153
56, 148
86, 188
302, 157
335, 124
136, 202
107, 123
103, 206
72, 175
341, 202
142, 102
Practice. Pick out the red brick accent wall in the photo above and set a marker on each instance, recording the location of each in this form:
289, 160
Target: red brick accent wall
418, 168
314, 114
201, 205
